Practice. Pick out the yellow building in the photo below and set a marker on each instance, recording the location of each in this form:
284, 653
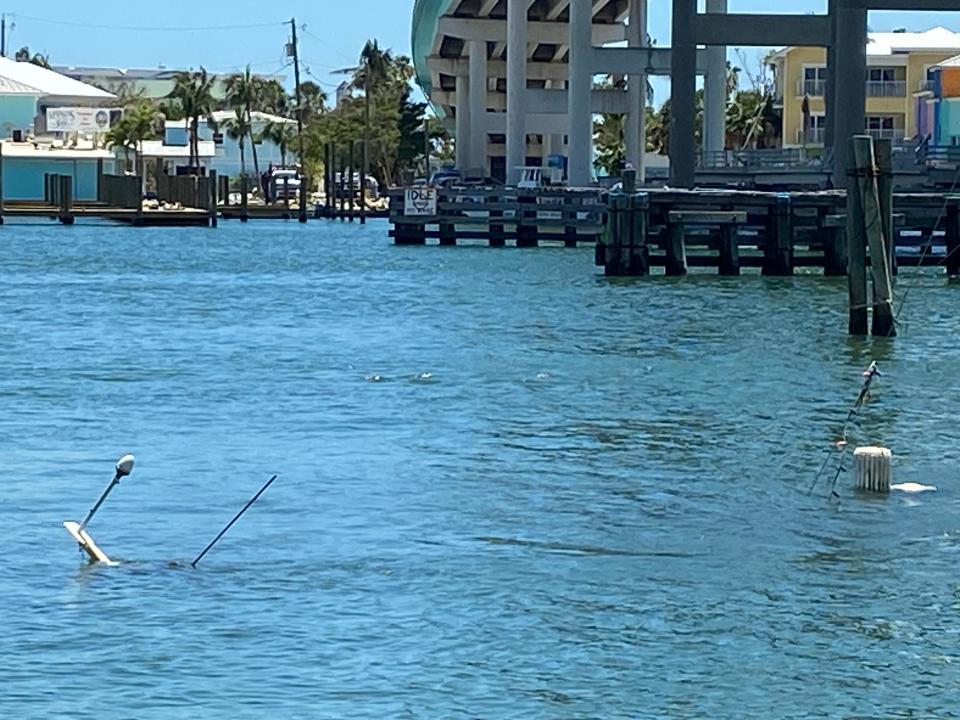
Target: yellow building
897, 67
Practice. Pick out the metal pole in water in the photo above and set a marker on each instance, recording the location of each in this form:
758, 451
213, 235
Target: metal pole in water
230, 524
124, 467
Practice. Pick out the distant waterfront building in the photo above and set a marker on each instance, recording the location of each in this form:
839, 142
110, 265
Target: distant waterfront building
938, 105
147, 83
26, 92
226, 156
898, 65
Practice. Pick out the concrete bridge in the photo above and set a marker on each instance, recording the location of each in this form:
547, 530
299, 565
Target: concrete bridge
512, 69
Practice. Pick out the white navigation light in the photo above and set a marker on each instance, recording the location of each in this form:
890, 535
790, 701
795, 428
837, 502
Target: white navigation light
125, 466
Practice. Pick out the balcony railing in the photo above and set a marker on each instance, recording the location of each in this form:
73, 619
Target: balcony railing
813, 88
815, 136
887, 88
895, 134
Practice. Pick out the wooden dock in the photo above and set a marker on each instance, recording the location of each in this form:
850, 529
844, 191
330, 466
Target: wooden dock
498, 216
776, 232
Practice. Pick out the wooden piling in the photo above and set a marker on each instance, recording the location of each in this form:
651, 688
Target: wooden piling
676, 259
778, 248
66, 199
832, 229
952, 233
99, 179
871, 217
527, 232
729, 250
243, 199
350, 161
363, 183
497, 233
214, 187
883, 152
856, 251
329, 183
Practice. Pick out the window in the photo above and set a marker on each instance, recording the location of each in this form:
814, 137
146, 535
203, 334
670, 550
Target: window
880, 122
814, 82
877, 75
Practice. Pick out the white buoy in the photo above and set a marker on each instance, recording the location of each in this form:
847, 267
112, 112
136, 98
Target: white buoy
872, 469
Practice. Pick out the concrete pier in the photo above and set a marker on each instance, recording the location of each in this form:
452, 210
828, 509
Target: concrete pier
478, 107
715, 92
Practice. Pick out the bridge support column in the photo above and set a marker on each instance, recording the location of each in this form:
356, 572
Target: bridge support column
715, 92
516, 88
462, 146
478, 106
683, 90
849, 103
579, 87
636, 130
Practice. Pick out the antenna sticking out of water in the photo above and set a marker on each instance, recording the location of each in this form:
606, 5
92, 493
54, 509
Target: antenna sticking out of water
236, 517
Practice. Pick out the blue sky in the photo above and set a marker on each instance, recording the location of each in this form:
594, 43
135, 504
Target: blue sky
111, 32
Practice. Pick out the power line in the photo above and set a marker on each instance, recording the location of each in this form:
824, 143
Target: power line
146, 28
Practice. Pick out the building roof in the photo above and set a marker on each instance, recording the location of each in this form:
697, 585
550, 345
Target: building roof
220, 116
158, 149
50, 152
892, 43
114, 73
24, 78
951, 62
880, 44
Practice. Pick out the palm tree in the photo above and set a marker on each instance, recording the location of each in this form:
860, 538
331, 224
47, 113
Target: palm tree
23, 55
373, 72
244, 90
194, 91
282, 134
238, 128
140, 121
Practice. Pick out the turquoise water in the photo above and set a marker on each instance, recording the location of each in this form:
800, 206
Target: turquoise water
509, 488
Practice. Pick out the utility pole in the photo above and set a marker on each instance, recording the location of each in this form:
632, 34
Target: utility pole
293, 50
3, 35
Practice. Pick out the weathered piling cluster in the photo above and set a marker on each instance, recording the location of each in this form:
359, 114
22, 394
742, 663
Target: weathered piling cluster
343, 199
776, 232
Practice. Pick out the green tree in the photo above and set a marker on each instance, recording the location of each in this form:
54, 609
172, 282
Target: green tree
194, 94
238, 128
281, 134
244, 91
23, 55
141, 121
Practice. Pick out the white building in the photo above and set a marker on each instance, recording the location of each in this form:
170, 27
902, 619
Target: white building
226, 156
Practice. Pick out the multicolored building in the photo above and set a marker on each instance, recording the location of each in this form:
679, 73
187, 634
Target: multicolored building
938, 105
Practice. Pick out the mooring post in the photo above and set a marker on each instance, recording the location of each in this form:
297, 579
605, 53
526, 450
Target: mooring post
883, 152
729, 264
639, 227
952, 232
495, 226
856, 248
676, 247
99, 179
527, 218
778, 248
617, 236
569, 216
834, 244
363, 183
872, 220
448, 231
66, 199
243, 198
342, 192
350, 180
214, 188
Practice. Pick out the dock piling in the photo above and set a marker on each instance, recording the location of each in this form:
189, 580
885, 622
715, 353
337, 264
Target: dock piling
214, 188
871, 216
243, 198
676, 260
778, 249
856, 251
66, 199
